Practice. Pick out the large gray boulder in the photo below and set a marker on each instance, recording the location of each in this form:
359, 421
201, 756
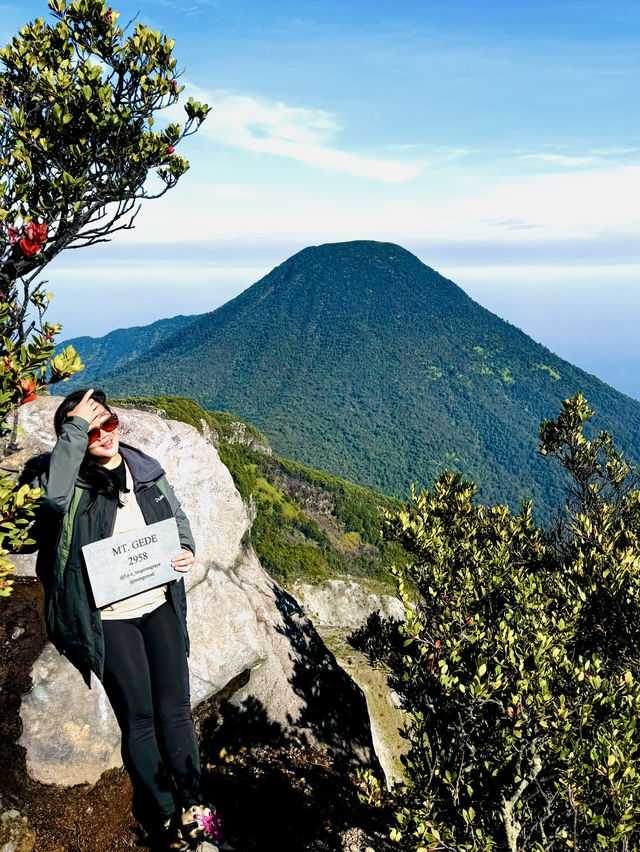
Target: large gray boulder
244, 628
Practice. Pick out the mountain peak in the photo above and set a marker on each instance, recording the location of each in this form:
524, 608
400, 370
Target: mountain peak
369, 252
359, 270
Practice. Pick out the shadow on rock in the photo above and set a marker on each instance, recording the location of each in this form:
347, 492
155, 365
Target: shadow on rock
232, 728
335, 709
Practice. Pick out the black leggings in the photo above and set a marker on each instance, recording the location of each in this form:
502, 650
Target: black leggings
147, 682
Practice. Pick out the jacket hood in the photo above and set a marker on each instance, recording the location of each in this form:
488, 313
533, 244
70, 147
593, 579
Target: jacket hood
144, 469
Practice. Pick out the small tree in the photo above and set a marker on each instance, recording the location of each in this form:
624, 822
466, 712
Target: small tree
520, 672
77, 144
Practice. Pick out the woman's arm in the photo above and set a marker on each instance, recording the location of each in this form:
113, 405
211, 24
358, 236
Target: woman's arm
67, 455
66, 458
184, 528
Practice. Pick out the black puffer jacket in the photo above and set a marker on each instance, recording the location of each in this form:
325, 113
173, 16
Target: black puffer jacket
65, 523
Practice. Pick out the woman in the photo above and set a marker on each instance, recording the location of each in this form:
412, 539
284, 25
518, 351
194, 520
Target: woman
95, 487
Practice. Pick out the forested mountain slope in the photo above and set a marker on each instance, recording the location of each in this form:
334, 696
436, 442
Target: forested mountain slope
308, 525
358, 359
114, 350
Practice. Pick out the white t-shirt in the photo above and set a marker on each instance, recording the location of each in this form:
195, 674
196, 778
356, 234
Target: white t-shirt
129, 517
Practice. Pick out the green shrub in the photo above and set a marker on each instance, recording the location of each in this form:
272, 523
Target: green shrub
521, 662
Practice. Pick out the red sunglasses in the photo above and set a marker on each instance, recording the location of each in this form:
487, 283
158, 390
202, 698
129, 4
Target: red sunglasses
109, 425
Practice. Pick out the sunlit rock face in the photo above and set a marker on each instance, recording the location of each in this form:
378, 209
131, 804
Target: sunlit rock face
240, 623
343, 603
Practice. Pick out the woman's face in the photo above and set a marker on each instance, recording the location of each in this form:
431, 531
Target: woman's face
107, 443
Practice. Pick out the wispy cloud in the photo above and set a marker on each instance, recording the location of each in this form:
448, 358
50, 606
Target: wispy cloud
616, 151
516, 224
299, 133
189, 8
601, 156
562, 160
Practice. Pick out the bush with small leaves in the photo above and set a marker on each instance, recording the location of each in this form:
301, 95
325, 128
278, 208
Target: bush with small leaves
520, 673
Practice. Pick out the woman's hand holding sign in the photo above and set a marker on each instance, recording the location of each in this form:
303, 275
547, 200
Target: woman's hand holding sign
184, 562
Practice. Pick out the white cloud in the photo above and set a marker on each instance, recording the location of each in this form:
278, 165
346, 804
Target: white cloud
540, 209
244, 120
564, 202
460, 196
615, 151
299, 133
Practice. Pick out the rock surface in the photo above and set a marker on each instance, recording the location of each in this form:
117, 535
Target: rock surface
337, 608
344, 603
16, 835
240, 623
241, 435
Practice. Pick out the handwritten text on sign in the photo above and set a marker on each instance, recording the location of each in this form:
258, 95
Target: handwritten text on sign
132, 562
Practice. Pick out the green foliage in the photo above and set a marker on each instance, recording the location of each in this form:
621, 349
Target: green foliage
175, 407
18, 507
309, 524
77, 104
371, 791
357, 509
27, 366
77, 101
520, 668
553, 373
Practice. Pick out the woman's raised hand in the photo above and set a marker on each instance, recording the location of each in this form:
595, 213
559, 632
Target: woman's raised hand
89, 410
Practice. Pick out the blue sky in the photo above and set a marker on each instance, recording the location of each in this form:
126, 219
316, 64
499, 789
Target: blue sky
498, 141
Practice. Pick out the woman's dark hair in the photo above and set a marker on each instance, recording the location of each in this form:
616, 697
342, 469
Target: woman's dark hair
98, 478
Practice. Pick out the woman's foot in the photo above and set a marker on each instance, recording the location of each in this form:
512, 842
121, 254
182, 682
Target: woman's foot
201, 823
172, 836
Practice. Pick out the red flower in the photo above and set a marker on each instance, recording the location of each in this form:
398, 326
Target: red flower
170, 149
29, 249
109, 14
29, 388
13, 234
34, 240
37, 233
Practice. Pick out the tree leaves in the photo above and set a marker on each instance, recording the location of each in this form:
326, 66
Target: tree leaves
76, 100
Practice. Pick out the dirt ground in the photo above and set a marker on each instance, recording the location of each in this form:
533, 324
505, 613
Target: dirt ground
273, 794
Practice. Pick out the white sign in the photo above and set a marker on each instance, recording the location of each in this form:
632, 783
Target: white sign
132, 562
